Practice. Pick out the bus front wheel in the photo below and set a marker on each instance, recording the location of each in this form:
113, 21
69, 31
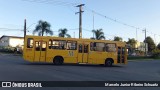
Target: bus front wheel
108, 63
58, 60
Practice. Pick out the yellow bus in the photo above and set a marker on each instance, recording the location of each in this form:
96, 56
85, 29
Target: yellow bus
60, 50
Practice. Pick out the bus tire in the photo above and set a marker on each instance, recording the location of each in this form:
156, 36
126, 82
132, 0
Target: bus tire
58, 60
101, 64
108, 62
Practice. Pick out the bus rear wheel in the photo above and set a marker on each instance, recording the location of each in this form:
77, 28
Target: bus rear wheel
108, 63
58, 60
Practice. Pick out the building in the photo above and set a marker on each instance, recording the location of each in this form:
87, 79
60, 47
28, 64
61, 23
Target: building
137, 49
11, 41
141, 46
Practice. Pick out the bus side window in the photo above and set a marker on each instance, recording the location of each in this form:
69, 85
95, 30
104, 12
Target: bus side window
30, 43
119, 50
62, 45
43, 46
94, 46
50, 44
59, 44
37, 46
99, 46
123, 50
71, 45
110, 47
80, 48
91, 46
85, 48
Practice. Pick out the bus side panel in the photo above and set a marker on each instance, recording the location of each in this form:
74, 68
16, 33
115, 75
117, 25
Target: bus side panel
106, 55
96, 57
126, 55
93, 56
28, 52
101, 57
69, 56
49, 56
114, 56
52, 53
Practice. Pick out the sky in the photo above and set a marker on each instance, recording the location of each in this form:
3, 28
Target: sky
142, 14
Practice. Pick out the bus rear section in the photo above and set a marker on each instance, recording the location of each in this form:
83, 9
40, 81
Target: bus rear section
122, 53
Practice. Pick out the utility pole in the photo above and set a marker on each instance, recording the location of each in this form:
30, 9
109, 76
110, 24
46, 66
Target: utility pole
145, 42
155, 39
136, 34
24, 28
93, 23
74, 34
80, 19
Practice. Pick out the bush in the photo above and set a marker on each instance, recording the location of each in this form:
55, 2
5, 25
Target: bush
156, 53
138, 57
7, 49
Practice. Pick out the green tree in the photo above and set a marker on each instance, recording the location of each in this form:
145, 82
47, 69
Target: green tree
63, 33
43, 27
158, 46
116, 38
150, 42
132, 42
99, 34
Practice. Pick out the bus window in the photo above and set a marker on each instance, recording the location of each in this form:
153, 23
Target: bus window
43, 46
96, 46
85, 48
50, 44
29, 43
37, 47
59, 44
71, 45
62, 45
110, 48
80, 48
91, 46
123, 51
119, 50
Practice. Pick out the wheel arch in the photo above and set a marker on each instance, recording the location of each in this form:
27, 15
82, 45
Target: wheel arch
58, 56
109, 59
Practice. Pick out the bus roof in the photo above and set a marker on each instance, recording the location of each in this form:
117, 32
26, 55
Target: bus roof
119, 43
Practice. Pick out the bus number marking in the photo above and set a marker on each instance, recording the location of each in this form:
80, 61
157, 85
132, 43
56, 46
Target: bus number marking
71, 53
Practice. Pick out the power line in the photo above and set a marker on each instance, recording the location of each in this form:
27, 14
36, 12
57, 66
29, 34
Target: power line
114, 20
9, 29
117, 21
53, 2
92, 11
109, 18
64, 3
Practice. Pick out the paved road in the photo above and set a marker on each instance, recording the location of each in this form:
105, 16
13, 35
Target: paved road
14, 68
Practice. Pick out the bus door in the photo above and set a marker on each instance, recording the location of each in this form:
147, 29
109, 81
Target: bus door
37, 51
40, 51
83, 53
43, 51
121, 55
